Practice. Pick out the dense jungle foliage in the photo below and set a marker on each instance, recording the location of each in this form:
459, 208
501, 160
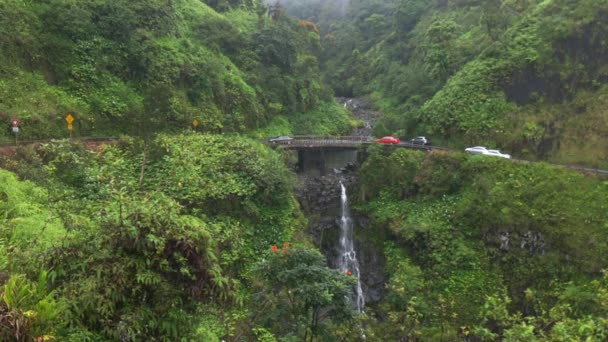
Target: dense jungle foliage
96, 247
528, 76
142, 66
203, 240
484, 249
181, 233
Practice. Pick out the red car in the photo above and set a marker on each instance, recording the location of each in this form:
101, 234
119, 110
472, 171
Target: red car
388, 140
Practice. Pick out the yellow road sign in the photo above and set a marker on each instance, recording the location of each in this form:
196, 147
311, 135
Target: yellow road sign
195, 123
70, 126
69, 119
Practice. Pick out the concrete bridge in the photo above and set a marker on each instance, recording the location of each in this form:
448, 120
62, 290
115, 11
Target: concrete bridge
345, 142
321, 143
318, 155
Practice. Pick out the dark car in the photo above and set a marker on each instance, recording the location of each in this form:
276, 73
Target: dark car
421, 141
388, 140
281, 140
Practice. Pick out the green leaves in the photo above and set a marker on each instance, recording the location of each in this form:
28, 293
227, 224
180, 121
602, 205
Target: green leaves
28, 310
139, 67
204, 168
474, 230
297, 285
135, 260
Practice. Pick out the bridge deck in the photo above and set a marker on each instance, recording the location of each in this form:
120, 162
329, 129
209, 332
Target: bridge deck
315, 142
312, 142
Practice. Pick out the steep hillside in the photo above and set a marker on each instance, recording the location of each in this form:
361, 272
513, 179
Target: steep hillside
143, 66
486, 249
167, 234
527, 76
102, 249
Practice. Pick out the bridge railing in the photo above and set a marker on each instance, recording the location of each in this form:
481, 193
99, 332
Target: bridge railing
316, 141
329, 137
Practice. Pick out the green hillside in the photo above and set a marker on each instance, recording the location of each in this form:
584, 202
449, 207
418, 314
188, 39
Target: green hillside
485, 249
143, 66
527, 76
171, 232
179, 250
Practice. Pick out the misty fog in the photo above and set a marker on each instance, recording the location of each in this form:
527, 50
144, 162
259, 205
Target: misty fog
305, 8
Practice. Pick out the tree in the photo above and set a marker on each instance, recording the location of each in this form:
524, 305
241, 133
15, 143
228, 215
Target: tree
408, 13
275, 44
299, 293
440, 57
494, 19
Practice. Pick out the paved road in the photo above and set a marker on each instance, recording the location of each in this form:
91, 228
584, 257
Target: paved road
312, 142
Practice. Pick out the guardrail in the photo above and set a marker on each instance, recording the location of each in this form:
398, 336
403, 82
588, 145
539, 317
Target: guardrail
355, 141
321, 141
329, 137
305, 141
588, 170
313, 141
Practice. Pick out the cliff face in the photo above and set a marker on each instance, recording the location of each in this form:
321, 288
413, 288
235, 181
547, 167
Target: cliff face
319, 198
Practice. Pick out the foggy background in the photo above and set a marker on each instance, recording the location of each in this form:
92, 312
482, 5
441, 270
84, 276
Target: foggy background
310, 9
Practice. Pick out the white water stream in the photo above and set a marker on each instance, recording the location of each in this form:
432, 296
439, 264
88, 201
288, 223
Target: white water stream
348, 257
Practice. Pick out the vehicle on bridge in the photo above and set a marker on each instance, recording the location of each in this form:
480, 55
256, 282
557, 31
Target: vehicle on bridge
388, 140
421, 141
283, 139
484, 151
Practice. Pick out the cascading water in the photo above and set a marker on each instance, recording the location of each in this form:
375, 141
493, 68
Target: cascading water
348, 258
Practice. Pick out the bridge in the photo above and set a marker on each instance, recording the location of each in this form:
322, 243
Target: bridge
306, 143
346, 142
354, 142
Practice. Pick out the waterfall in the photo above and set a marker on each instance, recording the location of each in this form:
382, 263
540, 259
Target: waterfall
348, 258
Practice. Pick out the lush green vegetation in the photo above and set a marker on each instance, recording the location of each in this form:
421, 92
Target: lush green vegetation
193, 242
179, 249
163, 236
528, 76
174, 234
327, 119
141, 66
487, 248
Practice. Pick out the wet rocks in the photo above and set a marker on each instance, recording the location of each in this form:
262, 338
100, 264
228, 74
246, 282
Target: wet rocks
319, 198
532, 242
362, 110
322, 193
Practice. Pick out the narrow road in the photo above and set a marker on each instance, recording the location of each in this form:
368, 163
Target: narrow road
94, 143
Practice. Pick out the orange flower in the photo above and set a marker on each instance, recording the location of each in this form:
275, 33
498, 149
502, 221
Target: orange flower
348, 272
286, 245
274, 248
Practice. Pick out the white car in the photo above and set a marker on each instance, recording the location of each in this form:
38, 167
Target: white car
486, 152
498, 154
476, 150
